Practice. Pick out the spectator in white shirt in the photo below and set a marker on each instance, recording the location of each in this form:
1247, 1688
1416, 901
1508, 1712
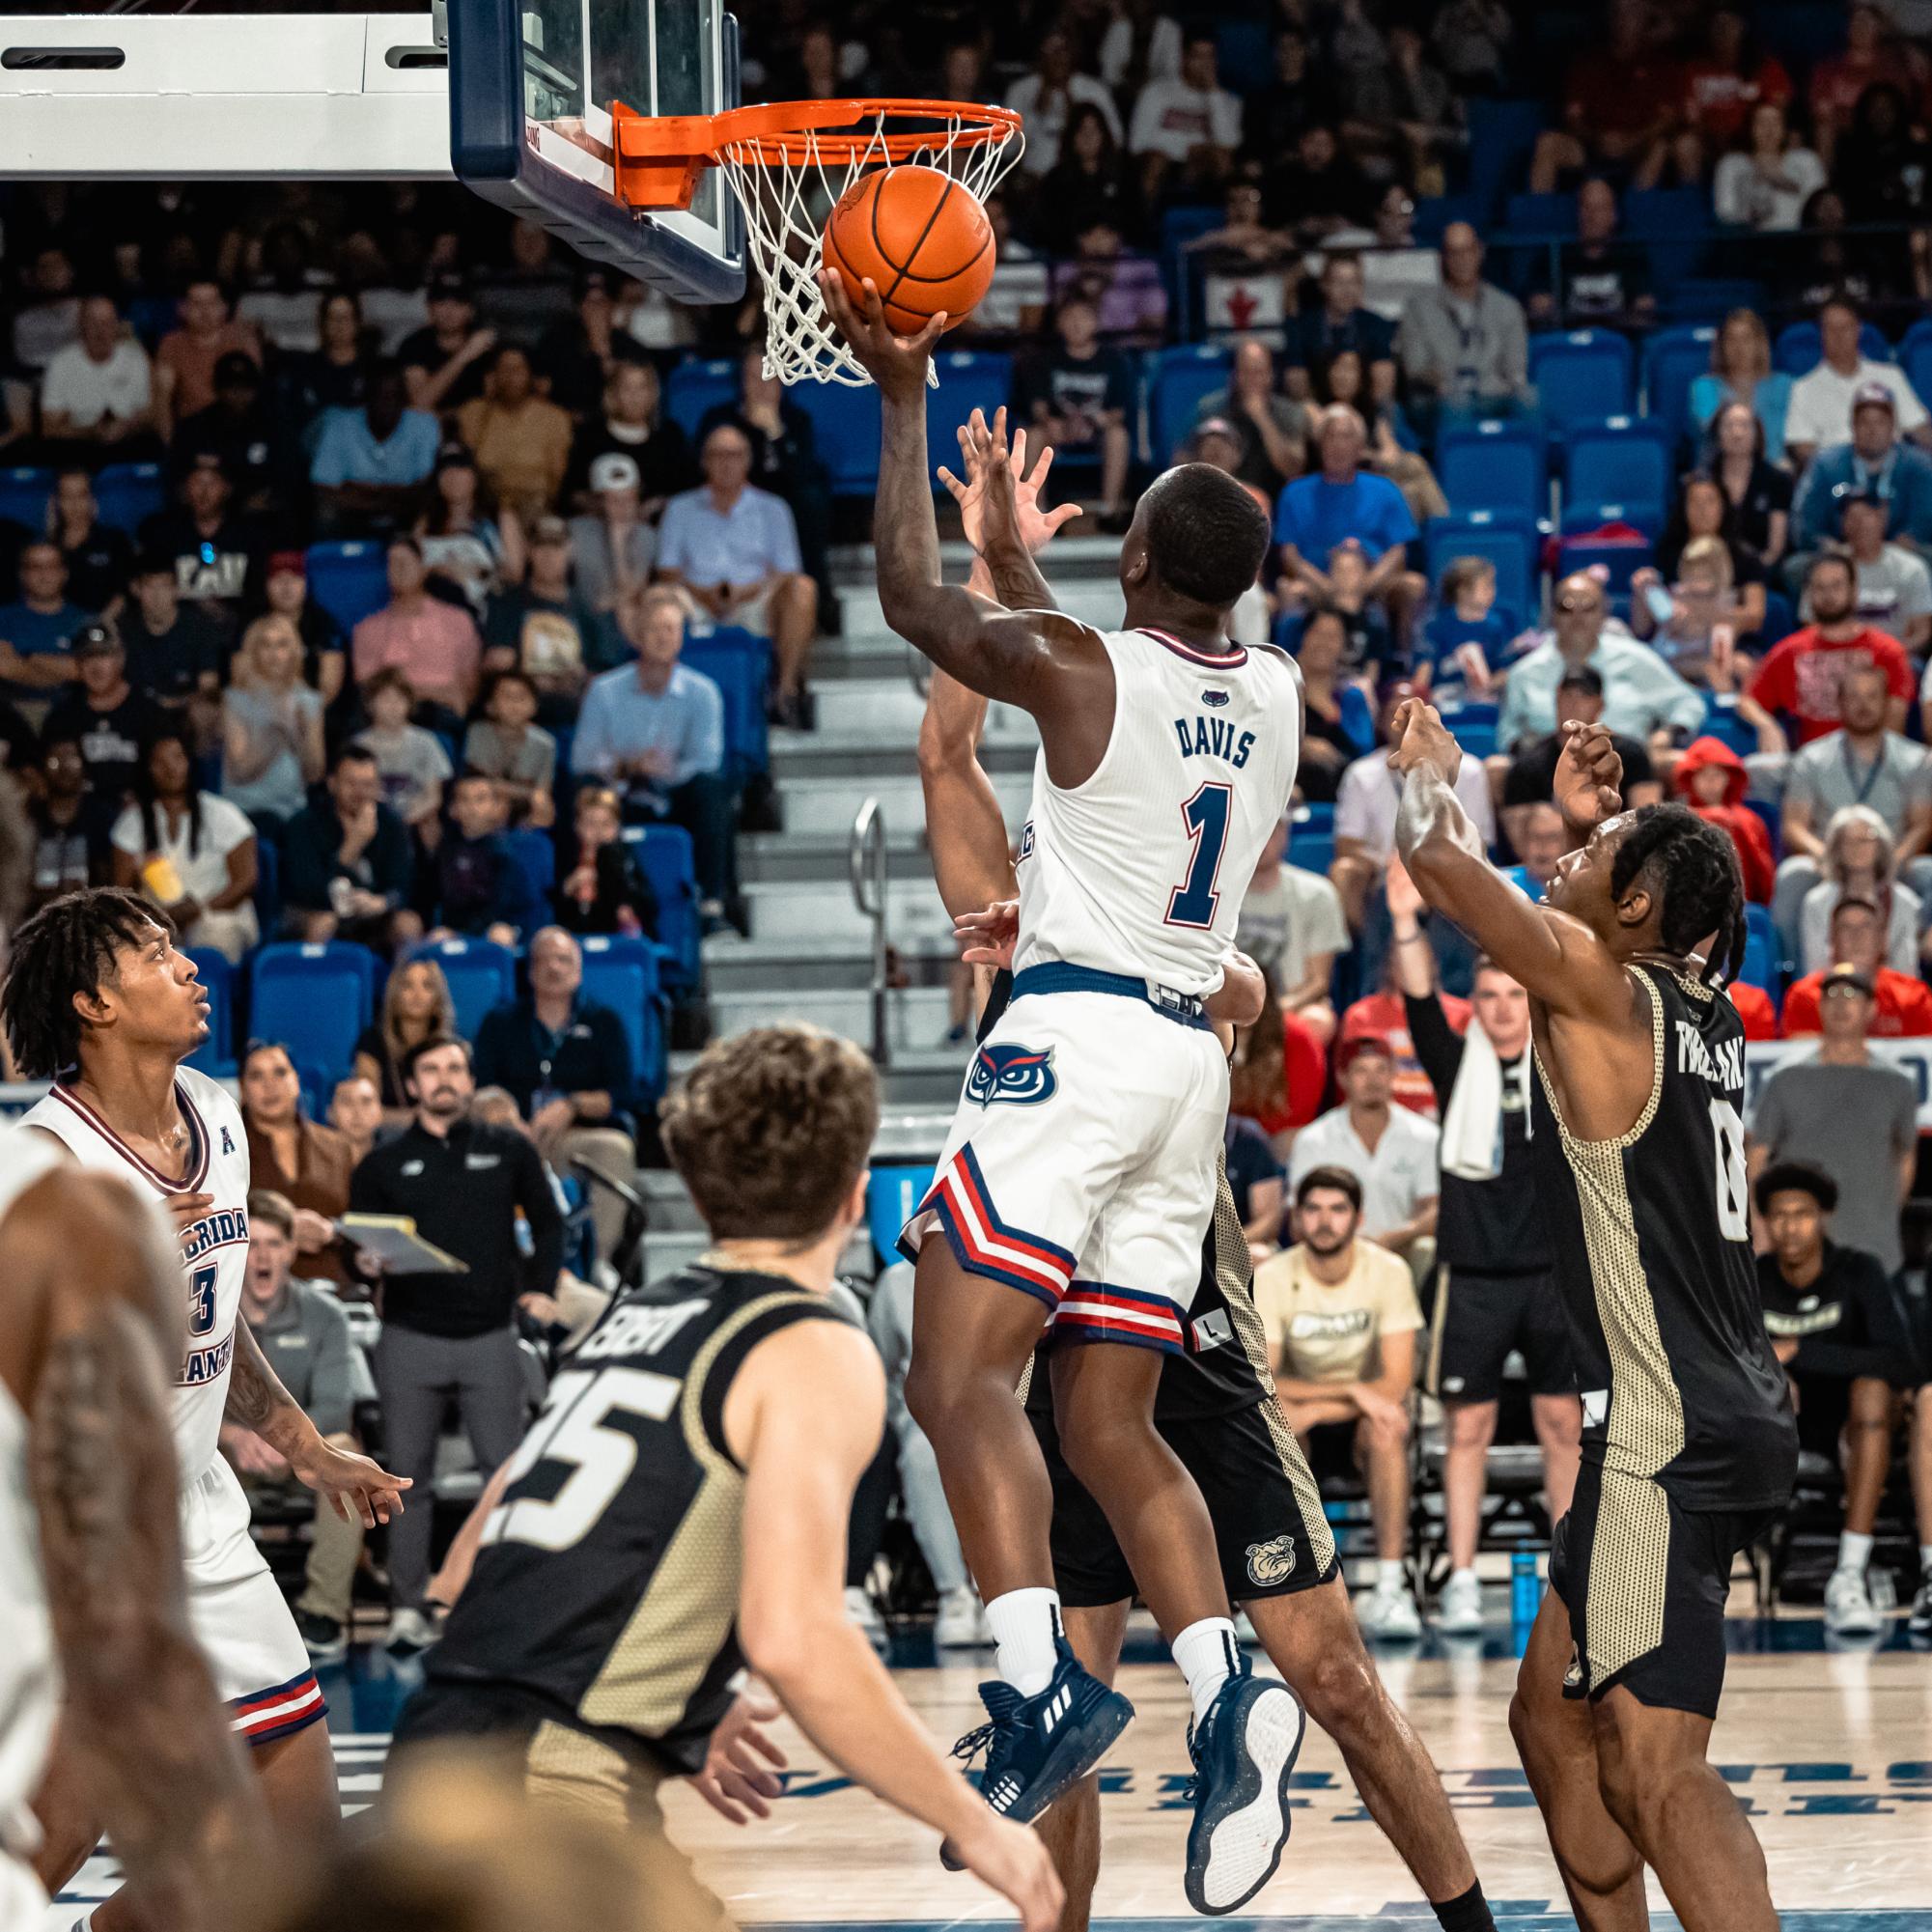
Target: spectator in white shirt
1820, 412
1142, 43
1391, 1150
1187, 126
1044, 97
97, 393
1766, 184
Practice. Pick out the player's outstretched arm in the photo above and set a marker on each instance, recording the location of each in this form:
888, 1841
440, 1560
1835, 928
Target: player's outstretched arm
1558, 959
965, 829
89, 1268
803, 1418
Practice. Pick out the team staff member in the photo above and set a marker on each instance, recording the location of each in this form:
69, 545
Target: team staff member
462, 1184
1495, 1291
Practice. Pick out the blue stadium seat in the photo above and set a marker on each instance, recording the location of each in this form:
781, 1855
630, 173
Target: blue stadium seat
891, 1193
1673, 358
622, 975
130, 494
1622, 561
1502, 135
1312, 850
845, 425
970, 379
697, 385
1475, 734
1493, 466
1544, 214
1710, 298
481, 974
349, 580
740, 664
1673, 224
1915, 355
23, 499
1581, 374
1244, 55
1621, 459
1580, 520
1761, 950
1508, 541
1722, 722
216, 1055
1436, 212
1178, 381
1796, 350
315, 999
664, 853
536, 856
268, 886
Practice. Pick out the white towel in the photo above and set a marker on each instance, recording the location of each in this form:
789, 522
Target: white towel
1473, 1122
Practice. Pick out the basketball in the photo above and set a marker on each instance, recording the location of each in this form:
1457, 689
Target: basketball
923, 240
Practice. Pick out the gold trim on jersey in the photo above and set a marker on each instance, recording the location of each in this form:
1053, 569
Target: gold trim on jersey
686, 1611
1629, 1549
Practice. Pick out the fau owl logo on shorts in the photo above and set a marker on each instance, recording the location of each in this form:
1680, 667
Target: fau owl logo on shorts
1021, 1075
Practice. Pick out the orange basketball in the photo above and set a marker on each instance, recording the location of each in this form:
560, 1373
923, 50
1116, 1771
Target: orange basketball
923, 240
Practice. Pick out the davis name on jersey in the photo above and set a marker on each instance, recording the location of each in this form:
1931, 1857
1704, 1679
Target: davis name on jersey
1122, 872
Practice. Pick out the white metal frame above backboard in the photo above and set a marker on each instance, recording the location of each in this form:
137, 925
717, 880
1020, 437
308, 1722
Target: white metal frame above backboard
213, 96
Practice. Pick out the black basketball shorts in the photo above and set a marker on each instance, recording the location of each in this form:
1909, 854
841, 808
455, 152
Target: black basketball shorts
1269, 1527
1644, 1582
1480, 1318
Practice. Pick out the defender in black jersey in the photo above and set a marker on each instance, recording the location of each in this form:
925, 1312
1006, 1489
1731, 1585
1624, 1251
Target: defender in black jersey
1689, 1445
679, 1508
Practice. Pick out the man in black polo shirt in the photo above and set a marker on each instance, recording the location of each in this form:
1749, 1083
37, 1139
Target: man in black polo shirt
464, 1186
567, 1061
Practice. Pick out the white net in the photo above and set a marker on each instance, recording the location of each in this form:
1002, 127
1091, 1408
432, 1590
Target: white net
788, 186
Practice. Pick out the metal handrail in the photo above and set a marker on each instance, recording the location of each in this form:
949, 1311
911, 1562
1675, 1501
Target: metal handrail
866, 864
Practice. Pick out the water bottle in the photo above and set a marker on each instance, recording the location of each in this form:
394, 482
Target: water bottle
1525, 1589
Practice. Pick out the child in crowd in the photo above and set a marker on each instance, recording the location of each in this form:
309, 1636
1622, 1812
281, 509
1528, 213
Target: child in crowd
409, 761
605, 891
507, 743
1468, 632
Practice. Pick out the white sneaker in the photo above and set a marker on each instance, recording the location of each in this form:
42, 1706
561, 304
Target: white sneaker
1849, 1609
1388, 1611
410, 1630
1459, 1611
960, 1624
859, 1609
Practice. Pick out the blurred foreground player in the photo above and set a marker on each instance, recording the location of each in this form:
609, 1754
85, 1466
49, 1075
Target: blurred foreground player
1689, 1447
679, 1508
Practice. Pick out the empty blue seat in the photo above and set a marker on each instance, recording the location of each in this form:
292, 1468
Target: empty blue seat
1673, 224
216, 1055
1178, 381
1722, 722
536, 856
697, 385
970, 379
1622, 460
740, 664
844, 426
1493, 466
664, 853
1761, 950
1673, 358
1580, 519
1710, 298
315, 999
1244, 55
1581, 374
1915, 356
1508, 542
130, 494
622, 975
1541, 214
1312, 851
268, 886
1797, 352
891, 1193
1433, 213
481, 974
349, 580
23, 499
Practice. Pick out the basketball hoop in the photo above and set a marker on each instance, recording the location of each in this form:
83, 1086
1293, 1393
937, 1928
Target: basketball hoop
780, 160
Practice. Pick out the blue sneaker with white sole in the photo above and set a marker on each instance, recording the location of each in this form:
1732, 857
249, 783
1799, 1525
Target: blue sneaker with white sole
1244, 1751
1039, 1747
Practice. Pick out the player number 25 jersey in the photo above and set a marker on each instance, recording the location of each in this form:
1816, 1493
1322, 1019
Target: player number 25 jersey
1141, 869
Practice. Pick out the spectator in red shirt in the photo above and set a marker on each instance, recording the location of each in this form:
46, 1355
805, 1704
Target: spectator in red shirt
1713, 781
1279, 1075
1901, 1004
1754, 1008
1802, 675
185, 363
1728, 81
1836, 83
1384, 1016
433, 643
1620, 109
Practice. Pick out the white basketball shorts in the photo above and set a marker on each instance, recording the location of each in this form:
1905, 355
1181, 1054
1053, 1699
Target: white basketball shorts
239, 1616
1082, 1165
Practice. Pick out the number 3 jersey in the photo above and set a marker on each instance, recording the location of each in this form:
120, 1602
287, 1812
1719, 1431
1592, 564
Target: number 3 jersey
606, 1584
1651, 1235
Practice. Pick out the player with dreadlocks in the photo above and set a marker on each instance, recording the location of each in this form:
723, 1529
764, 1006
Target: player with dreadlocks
1689, 1445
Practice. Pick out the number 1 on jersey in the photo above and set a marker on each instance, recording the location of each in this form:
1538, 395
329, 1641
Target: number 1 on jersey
1195, 901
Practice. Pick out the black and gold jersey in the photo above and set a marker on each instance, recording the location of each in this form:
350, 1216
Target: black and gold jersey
606, 1584
1651, 1235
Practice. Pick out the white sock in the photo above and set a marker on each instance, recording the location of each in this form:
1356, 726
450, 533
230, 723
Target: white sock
1391, 1574
1209, 1653
1925, 1560
1468, 1570
1026, 1626
1853, 1551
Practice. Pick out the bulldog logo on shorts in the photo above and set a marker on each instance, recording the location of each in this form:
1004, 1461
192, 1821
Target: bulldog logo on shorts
1273, 1561
1021, 1075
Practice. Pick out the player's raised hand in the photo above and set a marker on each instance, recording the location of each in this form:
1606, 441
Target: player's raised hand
733, 1783
1420, 741
1399, 890
989, 938
1589, 785
897, 363
1037, 527
355, 1485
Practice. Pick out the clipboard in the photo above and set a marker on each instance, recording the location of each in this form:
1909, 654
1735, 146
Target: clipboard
393, 1239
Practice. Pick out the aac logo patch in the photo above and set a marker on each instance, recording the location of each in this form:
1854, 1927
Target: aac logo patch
1273, 1561
1021, 1075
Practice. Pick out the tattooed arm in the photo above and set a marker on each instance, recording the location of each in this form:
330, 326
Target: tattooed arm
90, 1275
258, 1401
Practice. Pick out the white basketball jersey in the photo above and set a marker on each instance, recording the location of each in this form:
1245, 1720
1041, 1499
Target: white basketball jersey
1141, 870
29, 1686
215, 1249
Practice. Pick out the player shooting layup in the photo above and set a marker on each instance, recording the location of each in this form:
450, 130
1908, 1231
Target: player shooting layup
1080, 1169
1689, 1443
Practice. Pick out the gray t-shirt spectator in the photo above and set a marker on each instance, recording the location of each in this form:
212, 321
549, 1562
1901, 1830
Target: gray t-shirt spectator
594, 564
309, 1345
531, 761
1281, 924
1828, 776
1465, 349
1857, 1123
281, 788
